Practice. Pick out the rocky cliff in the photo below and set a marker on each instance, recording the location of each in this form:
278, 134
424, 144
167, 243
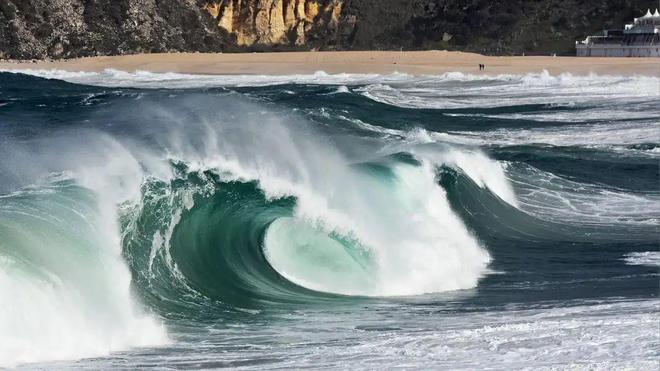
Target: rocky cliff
71, 28
277, 22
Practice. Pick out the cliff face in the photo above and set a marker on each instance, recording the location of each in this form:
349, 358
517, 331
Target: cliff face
71, 28
276, 22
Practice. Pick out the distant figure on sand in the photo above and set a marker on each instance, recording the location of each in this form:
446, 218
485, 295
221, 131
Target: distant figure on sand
482, 67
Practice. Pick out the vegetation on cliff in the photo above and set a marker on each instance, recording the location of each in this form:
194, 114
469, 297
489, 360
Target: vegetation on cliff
72, 28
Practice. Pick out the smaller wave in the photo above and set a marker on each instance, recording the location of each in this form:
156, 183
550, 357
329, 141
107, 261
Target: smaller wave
483, 171
171, 80
635, 138
630, 112
458, 91
555, 198
649, 258
570, 135
565, 82
342, 89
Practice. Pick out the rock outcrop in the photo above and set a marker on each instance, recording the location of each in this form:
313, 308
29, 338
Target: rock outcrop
274, 22
71, 28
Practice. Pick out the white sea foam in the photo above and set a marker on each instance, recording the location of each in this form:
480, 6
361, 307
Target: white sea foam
597, 93
604, 336
436, 85
342, 89
452, 91
598, 135
650, 258
562, 335
629, 111
170, 80
618, 136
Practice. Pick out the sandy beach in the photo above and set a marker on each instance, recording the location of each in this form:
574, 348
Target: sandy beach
417, 63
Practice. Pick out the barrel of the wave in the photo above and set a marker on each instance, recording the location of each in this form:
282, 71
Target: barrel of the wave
389, 232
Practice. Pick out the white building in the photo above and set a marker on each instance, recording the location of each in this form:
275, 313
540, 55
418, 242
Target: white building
638, 39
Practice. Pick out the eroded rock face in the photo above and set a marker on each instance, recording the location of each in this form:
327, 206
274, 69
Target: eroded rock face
275, 22
72, 28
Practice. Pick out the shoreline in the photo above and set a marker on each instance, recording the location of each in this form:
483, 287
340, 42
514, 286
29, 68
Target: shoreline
358, 62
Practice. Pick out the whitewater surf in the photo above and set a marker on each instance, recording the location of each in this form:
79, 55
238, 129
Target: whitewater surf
335, 221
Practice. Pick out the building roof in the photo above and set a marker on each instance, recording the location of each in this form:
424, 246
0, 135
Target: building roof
650, 15
648, 24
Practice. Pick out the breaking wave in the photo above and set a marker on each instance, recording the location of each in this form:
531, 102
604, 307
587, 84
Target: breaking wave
213, 212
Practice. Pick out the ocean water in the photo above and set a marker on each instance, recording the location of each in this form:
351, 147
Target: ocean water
329, 221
